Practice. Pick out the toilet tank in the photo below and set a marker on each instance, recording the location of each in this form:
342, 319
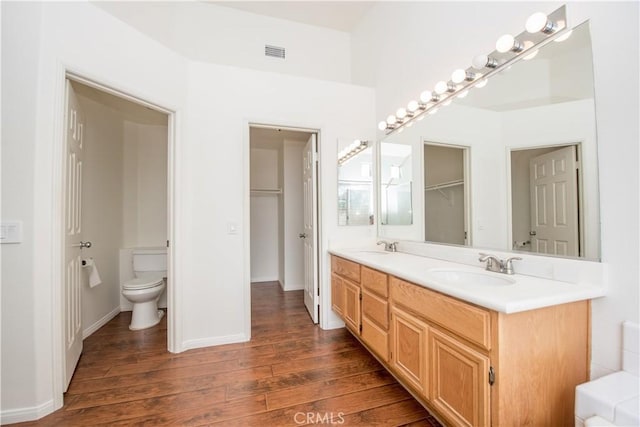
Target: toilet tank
149, 261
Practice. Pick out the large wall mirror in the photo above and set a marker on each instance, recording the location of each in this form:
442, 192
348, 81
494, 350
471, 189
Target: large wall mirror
513, 165
355, 183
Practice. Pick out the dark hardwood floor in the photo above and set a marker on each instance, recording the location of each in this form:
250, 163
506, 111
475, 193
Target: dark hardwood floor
290, 373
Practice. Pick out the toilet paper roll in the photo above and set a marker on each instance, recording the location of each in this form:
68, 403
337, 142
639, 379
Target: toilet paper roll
92, 269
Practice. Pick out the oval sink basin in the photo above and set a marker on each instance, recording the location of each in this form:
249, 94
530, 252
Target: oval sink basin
372, 252
466, 277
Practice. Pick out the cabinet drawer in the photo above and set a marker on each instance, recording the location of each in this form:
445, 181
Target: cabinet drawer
345, 268
467, 321
376, 338
374, 281
375, 308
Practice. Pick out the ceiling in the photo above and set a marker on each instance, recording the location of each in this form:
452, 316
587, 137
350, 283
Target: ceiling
337, 15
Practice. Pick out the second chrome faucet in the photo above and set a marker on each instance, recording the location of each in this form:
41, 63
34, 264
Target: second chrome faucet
388, 246
498, 265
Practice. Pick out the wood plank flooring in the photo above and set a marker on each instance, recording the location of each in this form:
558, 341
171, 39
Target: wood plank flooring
290, 373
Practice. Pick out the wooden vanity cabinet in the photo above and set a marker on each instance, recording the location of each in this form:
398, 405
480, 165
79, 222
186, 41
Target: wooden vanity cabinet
469, 365
409, 350
345, 291
375, 311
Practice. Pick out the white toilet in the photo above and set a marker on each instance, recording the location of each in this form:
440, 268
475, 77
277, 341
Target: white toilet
150, 271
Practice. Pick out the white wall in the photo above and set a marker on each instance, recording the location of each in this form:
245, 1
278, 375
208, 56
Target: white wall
101, 210
89, 42
144, 188
234, 97
213, 106
207, 32
265, 211
21, 374
399, 75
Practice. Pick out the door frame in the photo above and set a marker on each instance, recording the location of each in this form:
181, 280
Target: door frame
581, 220
466, 177
246, 217
174, 322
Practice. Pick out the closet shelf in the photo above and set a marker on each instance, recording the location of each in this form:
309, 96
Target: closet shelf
444, 185
266, 191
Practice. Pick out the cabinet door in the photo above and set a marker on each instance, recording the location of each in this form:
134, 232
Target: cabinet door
409, 349
459, 378
352, 306
337, 295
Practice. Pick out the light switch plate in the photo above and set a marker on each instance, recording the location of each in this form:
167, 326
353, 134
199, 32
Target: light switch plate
11, 232
232, 228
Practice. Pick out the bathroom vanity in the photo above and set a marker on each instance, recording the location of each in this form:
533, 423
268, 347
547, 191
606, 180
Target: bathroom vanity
505, 351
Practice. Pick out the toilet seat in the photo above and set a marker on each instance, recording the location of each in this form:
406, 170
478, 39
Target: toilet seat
142, 283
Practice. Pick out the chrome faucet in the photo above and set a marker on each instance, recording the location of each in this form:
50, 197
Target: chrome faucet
389, 246
498, 265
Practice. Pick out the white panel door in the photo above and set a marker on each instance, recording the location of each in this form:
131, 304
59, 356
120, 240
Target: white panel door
309, 174
554, 202
72, 281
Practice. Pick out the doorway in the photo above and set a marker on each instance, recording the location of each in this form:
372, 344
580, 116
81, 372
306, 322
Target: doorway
546, 200
115, 197
446, 194
283, 211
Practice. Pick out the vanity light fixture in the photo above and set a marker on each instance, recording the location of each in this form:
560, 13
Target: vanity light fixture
351, 150
508, 43
483, 61
540, 30
441, 87
539, 22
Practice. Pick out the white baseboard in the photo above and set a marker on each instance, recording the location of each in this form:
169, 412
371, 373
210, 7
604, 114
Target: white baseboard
100, 323
335, 324
10, 416
209, 342
294, 287
264, 279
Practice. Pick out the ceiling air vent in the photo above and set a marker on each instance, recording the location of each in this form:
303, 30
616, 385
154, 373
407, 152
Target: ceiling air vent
274, 51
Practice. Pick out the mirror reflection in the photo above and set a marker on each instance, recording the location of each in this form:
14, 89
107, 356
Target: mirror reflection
395, 184
355, 185
513, 165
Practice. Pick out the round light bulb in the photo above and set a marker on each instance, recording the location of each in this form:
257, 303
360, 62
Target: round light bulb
401, 113
505, 43
481, 61
482, 83
382, 125
458, 76
391, 120
426, 96
441, 87
412, 106
536, 22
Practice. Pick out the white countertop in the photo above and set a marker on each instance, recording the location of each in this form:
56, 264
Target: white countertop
527, 293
